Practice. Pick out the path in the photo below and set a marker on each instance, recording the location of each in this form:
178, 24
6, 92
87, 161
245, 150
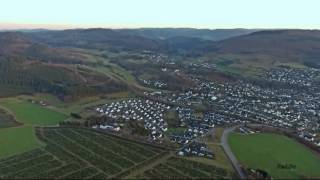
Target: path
229, 153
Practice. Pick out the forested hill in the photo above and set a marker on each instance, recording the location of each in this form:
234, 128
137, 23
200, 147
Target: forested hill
16, 45
300, 46
203, 34
27, 66
156, 40
48, 61
277, 43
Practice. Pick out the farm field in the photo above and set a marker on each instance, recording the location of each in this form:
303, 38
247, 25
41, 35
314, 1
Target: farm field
180, 168
76, 106
77, 153
17, 140
32, 114
268, 151
17, 133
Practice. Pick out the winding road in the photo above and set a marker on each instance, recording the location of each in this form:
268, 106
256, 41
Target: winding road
229, 153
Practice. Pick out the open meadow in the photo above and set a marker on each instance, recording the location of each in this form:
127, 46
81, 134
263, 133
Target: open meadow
32, 114
17, 140
270, 151
18, 134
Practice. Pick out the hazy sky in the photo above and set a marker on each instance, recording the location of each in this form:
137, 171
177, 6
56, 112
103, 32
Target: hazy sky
160, 13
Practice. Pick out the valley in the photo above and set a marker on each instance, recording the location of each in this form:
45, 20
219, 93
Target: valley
148, 104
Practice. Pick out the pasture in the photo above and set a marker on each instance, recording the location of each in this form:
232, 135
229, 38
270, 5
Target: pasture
32, 114
269, 151
17, 140
25, 115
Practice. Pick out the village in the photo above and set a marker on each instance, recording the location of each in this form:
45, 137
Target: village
198, 126
223, 105
300, 77
146, 111
243, 102
196, 149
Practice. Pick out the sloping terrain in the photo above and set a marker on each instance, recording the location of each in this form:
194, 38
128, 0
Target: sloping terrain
64, 81
7, 119
28, 67
97, 39
300, 46
173, 41
59, 71
203, 34
15, 45
164, 40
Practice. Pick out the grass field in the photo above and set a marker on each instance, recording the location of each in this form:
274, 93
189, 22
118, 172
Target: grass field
32, 114
266, 151
29, 115
17, 140
58, 105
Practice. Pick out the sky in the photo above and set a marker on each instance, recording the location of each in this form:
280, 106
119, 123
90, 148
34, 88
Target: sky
212, 14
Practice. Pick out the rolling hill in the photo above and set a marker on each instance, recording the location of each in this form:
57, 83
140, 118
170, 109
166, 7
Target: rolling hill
46, 60
203, 34
96, 39
301, 46
167, 40
27, 67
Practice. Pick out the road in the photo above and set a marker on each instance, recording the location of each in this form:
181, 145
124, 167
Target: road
229, 153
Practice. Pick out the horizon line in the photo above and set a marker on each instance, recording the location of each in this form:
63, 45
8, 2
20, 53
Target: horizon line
33, 26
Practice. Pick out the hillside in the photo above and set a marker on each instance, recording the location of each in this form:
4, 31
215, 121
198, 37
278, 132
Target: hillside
300, 46
55, 54
28, 67
97, 39
203, 34
15, 45
166, 40
286, 45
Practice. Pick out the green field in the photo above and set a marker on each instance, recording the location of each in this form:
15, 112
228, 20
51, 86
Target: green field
32, 114
266, 151
17, 140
